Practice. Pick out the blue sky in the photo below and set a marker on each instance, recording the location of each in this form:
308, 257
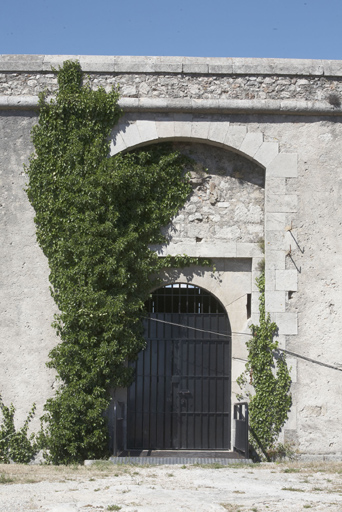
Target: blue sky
309, 29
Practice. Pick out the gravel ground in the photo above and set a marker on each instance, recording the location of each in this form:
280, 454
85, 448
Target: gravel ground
257, 488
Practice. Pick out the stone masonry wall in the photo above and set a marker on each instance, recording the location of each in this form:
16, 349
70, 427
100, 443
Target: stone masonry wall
297, 208
144, 85
26, 306
227, 202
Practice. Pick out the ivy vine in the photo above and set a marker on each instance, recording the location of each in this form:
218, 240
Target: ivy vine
95, 218
16, 445
268, 376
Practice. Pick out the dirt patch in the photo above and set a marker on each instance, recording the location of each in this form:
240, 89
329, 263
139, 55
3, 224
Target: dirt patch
196, 488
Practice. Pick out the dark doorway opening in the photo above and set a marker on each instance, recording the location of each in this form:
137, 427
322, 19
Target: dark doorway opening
181, 396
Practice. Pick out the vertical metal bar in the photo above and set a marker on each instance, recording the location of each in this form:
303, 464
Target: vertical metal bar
115, 448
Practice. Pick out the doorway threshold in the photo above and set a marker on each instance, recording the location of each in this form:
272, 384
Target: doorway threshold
158, 457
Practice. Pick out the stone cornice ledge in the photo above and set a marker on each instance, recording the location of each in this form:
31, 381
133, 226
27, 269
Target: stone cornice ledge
178, 65
225, 106
184, 105
19, 102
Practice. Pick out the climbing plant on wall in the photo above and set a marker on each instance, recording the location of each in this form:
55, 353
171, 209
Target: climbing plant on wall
16, 444
95, 217
267, 381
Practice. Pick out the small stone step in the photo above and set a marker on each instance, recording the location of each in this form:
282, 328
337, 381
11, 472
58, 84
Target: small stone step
208, 454
155, 461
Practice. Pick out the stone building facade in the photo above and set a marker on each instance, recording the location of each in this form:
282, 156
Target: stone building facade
266, 138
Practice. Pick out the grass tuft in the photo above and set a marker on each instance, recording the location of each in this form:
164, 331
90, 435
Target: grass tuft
5, 479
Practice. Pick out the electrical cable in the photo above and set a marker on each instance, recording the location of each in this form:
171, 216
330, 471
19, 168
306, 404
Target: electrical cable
309, 359
200, 330
294, 354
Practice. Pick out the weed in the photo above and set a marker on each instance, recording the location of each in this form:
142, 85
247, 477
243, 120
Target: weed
31, 481
114, 507
5, 479
291, 470
261, 265
231, 507
293, 489
261, 244
334, 100
214, 465
280, 451
102, 465
16, 445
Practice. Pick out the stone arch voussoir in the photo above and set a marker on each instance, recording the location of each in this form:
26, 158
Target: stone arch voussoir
279, 204
129, 135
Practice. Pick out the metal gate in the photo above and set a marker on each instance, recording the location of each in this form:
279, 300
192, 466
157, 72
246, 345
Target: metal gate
180, 398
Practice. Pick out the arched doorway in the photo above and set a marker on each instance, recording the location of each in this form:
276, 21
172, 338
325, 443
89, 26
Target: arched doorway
181, 397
